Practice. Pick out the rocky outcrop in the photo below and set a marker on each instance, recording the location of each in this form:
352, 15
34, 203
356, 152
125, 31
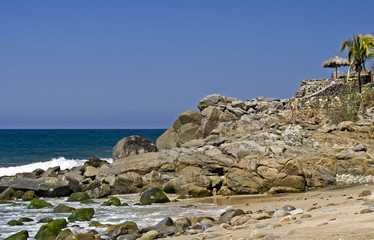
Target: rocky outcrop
131, 146
236, 147
44, 186
185, 128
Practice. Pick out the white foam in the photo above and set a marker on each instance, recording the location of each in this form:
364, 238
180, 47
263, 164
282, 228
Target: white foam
61, 161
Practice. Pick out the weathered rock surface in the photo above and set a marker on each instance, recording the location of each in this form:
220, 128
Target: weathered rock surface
131, 146
44, 186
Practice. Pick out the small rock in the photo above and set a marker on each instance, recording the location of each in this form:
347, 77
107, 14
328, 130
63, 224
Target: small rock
288, 208
211, 235
150, 235
297, 211
288, 219
306, 216
280, 213
364, 193
329, 209
359, 148
367, 210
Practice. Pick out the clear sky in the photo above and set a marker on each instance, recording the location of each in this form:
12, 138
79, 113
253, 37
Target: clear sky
140, 64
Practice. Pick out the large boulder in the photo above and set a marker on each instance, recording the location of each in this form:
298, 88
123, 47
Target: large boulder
44, 186
131, 146
153, 195
187, 127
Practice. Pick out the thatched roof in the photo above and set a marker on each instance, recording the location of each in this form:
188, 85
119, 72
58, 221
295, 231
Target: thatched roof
335, 62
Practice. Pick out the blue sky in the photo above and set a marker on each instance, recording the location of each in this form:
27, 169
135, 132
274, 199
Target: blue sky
140, 64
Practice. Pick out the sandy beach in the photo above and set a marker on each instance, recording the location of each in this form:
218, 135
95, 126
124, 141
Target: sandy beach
335, 212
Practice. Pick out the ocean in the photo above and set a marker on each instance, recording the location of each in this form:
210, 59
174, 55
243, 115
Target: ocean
27, 150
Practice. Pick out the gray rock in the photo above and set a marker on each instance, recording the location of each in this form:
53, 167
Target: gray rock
210, 100
359, 148
288, 208
280, 213
131, 146
44, 186
329, 209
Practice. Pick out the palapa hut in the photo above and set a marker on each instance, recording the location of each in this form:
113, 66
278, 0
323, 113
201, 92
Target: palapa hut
335, 62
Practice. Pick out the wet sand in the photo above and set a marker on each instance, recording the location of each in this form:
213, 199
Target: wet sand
336, 216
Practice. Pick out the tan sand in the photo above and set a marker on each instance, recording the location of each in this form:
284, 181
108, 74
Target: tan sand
344, 223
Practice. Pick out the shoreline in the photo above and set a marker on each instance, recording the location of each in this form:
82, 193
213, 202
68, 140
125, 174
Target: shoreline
337, 215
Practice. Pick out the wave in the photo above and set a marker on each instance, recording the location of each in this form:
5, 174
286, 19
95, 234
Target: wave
61, 161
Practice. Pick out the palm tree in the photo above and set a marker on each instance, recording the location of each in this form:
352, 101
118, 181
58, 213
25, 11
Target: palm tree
358, 51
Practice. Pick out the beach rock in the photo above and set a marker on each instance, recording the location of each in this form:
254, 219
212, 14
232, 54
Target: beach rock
91, 171
280, 213
164, 223
288, 208
25, 219
282, 189
185, 128
95, 162
229, 214
46, 220
28, 196
367, 210
359, 148
150, 235
78, 196
64, 234
81, 236
7, 194
197, 192
210, 120
129, 236
74, 178
96, 189
364, 193
210, 100
38, 203
22, 235
329, 209
153, 195
82, 214
184, 223
132, 145
15, 223
44, 186
51, 230
297, 211
121, 229
346, 126
113, 201
306, 216
170, 231
206, 223
62, 208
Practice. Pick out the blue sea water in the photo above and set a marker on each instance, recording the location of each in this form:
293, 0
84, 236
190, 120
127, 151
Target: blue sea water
25, 150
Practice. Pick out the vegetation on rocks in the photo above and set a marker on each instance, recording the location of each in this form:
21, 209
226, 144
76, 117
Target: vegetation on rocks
22, 235
78, 196
153, 195
82, 214
51, 230
38, 203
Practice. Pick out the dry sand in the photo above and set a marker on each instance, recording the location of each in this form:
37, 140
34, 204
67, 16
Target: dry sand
345, 222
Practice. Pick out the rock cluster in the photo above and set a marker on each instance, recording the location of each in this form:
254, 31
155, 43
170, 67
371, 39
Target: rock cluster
229, 147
